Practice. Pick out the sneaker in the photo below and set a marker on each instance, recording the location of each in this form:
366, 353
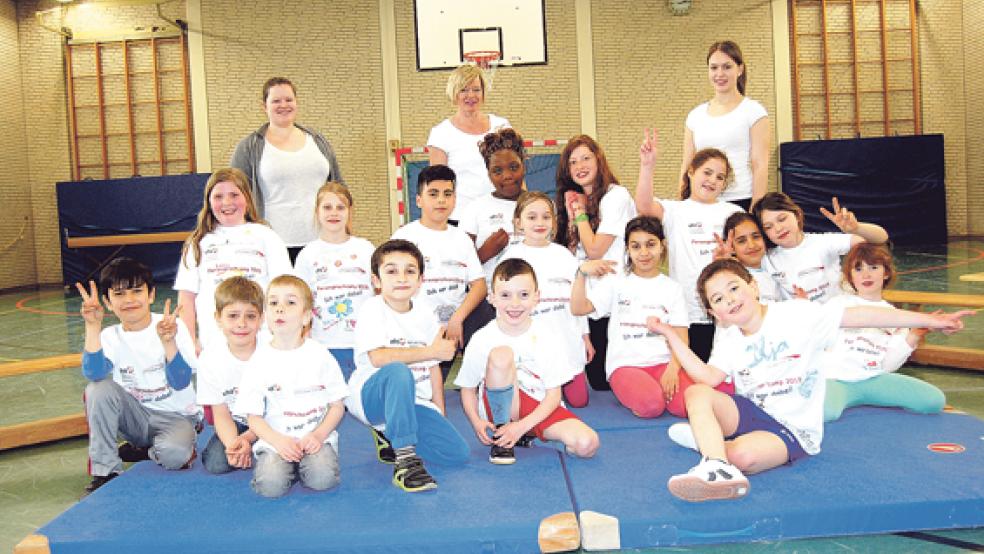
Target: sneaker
709, 480
502, 456
130, 453
526, 441
384, 449
410, 475
682, 434
98, 481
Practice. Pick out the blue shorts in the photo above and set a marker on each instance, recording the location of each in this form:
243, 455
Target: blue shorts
752, 418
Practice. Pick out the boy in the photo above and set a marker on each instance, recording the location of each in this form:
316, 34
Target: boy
451, 260
397, 381
515, 362
776, 415
149, 400
292, 397
239, 313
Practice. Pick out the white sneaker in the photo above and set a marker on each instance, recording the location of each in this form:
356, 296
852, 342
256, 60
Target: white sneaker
682, 434
709, 480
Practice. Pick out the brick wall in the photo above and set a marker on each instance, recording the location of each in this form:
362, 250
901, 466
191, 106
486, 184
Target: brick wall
973, 40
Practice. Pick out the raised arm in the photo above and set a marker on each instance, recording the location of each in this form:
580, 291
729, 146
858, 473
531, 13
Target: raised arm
688, 154
648, 154
875, 316
847, 222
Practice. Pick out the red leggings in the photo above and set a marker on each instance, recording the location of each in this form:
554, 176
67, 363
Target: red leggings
576, 391
638, 389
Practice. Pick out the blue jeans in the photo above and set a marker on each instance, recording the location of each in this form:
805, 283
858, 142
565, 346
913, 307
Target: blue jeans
388, 397
345, 359
273, 476
214, 456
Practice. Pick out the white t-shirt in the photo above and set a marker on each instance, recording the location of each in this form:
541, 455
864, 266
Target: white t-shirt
472, 177
485, 216
289, 181
292, 389
615, 210
814, 265
251, 250
862, 353
138, 366
383, 327
340, 279
732, 134
537, 353
555, 267
628, 300
769, 291
219, 376
690, 227
451, 262
779, 367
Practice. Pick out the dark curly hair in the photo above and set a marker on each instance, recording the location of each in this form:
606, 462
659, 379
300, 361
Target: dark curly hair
500, 140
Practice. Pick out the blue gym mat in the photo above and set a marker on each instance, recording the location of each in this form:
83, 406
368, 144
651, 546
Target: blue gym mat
875, 475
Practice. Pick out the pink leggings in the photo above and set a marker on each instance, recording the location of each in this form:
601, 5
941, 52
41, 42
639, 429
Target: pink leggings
638, 389
576, 391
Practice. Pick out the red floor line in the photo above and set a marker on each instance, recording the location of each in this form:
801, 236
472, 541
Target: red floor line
20, 306
980, 257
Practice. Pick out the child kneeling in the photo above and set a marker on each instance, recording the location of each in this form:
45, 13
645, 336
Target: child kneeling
513, 364
293, 397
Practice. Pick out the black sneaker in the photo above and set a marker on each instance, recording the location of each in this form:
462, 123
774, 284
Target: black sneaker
502, 456
98, 481
526, 441
410, 475
384, 450
130, 453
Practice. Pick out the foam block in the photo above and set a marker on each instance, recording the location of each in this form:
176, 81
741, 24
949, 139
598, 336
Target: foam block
599, 531
559, 533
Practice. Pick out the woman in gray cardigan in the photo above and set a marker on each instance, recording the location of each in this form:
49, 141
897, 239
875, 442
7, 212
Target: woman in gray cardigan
286, 164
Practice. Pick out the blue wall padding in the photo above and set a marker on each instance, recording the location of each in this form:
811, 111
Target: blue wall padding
122, 207
875, 475
896, 182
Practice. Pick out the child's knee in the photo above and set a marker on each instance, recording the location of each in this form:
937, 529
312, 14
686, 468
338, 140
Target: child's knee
500, 360
100, 392
648, 406
586, 444
323, 475
272, 476
176, 448
745, 459
698, 393
397, 376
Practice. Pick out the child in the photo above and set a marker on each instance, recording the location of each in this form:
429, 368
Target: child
292, 397
592, 225
148, 400
397, 382
861, 364
336, 267
229, 239
776, 416
809, 261
239, 313
452, 263
744, 239
513, 364
690, 225
535, 219
643, 373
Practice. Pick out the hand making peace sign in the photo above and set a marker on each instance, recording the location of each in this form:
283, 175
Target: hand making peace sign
92, 309
167, 328
843, 218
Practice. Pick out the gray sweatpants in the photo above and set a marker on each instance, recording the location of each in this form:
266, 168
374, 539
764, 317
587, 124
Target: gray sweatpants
113, 412
273, 476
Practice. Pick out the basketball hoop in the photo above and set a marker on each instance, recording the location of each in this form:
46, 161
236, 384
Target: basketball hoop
488, 60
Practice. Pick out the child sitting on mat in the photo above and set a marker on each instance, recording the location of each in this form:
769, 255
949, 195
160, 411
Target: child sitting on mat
229, 239
239, 313
512, 371
397, 385
140, 375
860, 366
292, 397
776, 415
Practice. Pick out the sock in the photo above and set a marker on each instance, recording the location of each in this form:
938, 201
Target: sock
405, 452
500, 403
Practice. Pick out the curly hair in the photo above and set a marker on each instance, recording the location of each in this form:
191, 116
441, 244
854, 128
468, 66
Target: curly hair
500, 140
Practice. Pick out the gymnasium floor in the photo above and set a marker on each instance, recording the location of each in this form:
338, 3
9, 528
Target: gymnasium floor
37, 483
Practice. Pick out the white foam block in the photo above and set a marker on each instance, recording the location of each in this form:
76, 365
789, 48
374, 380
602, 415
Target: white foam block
559, 533
599, 531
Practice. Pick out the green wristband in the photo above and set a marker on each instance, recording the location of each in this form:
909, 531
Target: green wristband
581, 218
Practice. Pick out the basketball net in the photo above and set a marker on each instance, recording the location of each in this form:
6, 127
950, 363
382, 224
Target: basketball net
488, 60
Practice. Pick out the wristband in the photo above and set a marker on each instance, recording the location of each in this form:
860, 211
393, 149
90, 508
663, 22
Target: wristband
581, 218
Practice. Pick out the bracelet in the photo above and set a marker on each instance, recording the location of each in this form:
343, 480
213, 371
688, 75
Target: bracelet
581, 218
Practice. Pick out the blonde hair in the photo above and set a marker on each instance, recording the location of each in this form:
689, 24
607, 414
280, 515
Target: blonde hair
238, 289
460, 78
296, 282
206, 219
527, 198
342, 192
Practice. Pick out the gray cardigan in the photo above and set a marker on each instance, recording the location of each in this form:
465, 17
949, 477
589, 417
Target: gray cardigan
249, 151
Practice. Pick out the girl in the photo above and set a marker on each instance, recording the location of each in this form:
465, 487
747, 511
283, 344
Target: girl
295, 405
776, 415
336, 268
732, 123
592, 223
744, 239
229, 239
535, 220
809, 261
690, 224
643, 373
861, 364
